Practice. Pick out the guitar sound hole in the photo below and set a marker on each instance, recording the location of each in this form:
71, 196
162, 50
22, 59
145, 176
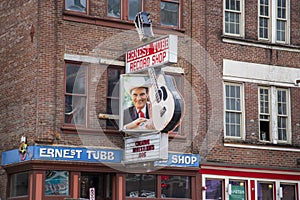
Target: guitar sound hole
164, 91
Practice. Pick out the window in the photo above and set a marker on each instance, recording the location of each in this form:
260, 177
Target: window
264, 19
233, 110
175, 186
233, 17
140, 185
169, 12
265, 190
124, 10
288, 191
19, 184
273, 26
148, 185
214, 189
274, 114
76, 5
57, 182
238, 189
75, 94
101, 182
112, 101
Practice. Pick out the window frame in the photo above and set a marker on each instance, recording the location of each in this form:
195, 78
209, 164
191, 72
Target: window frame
241, 13
80, 64
10, 186
158, 185
108, 98
268, 17
124, 10
272, 23
241, 111
273, 114
74, 11
179, 3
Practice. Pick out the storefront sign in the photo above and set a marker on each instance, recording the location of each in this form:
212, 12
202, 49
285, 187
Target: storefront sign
180, 160
157, 52
92, 194
64, 154
139, 149
148, 147
237, 193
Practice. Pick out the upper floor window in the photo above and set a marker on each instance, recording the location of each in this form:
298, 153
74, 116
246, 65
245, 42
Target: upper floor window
125, 10
76, 5
233, 17
274, 114
112, 98
273, 21
233, 110
75, 94
169, 12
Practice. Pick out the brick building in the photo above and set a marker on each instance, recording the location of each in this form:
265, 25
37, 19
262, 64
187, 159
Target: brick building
237, 69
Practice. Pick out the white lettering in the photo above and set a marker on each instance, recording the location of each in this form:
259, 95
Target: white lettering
174, 159
89, 153
188, 160
194, 160
43, 152
60, 153
110, 155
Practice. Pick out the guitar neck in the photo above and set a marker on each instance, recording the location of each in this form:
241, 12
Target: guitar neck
152, 75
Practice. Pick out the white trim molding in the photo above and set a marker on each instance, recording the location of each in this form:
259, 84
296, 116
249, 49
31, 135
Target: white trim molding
260, 73
93, 60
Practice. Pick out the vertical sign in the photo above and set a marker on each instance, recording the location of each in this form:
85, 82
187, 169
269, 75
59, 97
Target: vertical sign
92, 194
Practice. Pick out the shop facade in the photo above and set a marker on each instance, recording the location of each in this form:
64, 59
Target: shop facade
60, 172
224, 182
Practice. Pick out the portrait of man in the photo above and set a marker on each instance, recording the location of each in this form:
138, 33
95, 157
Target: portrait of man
137, 114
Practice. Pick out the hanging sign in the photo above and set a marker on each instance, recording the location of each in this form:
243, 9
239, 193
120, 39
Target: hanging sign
156, 53
145, 148
92, 194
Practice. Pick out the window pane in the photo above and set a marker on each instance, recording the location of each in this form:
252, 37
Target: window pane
75, 109
214, 189
282, 128
232, 22
233, 123
282, 102
75, 79
175, 186
113, 75
57, 182
134, 6
114, 8
169, 13
76, 5
140, 185
288, 191
238, 190
264, 190
19, 184
280, 30
101, 182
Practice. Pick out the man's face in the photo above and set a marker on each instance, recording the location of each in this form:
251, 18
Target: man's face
139, 97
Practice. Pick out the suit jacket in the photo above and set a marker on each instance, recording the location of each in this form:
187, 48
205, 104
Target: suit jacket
130, 114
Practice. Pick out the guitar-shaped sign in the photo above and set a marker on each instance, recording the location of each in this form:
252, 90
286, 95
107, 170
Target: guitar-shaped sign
166, 102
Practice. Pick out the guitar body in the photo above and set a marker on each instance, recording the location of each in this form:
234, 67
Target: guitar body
167, 110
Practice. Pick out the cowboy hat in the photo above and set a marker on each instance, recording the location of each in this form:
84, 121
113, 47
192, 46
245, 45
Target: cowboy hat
132, 82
